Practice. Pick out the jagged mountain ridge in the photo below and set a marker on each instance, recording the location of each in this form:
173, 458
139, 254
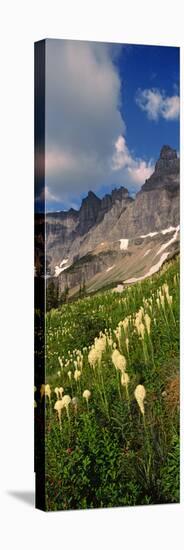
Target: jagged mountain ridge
66, 232
87, 242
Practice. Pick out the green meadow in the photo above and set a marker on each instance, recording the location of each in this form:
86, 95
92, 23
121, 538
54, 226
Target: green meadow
111, 397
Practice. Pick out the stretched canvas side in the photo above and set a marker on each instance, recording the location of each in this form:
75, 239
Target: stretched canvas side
39, 278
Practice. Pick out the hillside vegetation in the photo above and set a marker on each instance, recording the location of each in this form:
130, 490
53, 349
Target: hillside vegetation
112, 397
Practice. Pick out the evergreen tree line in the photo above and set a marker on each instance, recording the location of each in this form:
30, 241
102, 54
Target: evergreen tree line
55, 299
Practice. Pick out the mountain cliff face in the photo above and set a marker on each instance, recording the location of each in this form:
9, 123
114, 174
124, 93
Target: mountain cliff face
82, 244
70, 234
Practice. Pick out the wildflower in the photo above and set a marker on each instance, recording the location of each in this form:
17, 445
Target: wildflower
127, 343
77, 374
110, 341
57, 392
59, 373
75, 403
69, 374
147, 320
165, 289
100, 344
58, 407
60, 362
140, 394
61, 391
162, 301
125, 379
86, 394
169, 299
80, 361
119, 360
141, 330
93, 357
66, 400
125, 323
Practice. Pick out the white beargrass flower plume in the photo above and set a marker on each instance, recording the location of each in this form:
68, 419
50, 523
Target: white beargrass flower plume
86, 394
66, 400
69, 374
75, 403
61, 391
127, 344
147, 321
124, 382
165, 289
100, 346
118, 360
93, 357
80, 361
57, 393
60, 362
140, 394
58, 407
77, 375
125, 379
125, 323
141, 330
170, 300
162, 300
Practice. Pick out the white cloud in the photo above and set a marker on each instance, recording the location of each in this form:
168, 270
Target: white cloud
156, 104
84, 127
137, 169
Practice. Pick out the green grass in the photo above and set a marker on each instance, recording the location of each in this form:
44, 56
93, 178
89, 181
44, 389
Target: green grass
107, 453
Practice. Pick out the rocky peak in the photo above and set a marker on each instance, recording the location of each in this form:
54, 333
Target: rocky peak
88, 204
119, 194
88, 211
168, 152
168, 161
166, 171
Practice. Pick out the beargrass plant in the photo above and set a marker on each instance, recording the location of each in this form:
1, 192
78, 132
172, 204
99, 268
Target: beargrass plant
112, 431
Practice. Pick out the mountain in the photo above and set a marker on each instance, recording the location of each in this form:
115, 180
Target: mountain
70, 234
117, 238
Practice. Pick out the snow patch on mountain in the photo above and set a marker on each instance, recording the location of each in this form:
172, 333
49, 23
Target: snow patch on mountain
152, 234
124, 244
109, 268
60, 268
165, 245
147, 252
168, 230
151, 271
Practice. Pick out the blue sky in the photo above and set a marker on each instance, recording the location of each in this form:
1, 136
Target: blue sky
148, 67
109, 110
